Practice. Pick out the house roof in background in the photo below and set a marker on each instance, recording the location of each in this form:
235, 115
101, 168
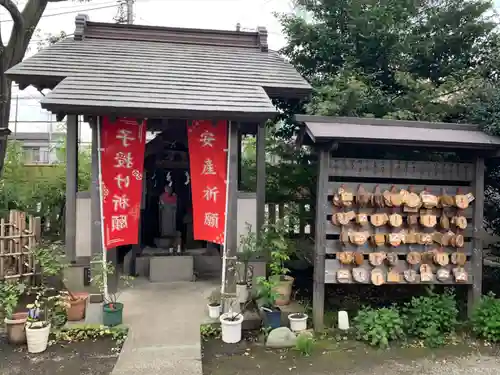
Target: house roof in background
160, 71
395, 132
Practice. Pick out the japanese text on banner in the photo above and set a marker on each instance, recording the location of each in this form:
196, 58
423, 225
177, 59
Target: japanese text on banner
207, 142
122, 162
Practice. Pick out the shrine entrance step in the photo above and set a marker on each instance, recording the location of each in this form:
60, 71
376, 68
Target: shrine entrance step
157, 264
207, 263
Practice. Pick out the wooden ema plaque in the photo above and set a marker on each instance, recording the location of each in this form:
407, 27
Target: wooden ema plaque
396, 233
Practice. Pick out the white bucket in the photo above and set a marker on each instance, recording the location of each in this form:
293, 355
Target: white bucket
37, 339
298, 322
231, 330
242, 293
214, 311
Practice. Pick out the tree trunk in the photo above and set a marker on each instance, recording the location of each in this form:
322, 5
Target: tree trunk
12, 53
5, 95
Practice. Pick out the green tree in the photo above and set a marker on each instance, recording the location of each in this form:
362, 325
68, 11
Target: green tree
39, 190
434, 60
403, 59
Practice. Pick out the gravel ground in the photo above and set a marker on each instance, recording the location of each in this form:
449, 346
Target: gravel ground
469, 365
349, 359
83, 358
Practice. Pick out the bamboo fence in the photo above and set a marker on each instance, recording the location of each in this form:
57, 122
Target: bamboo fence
18, 236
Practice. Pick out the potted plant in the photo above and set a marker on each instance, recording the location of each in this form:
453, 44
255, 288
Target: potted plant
276, 243
247, 250
112, 314
298, 322
214, 305
266, 296
10, 291
231, 324
50, 257
40, 314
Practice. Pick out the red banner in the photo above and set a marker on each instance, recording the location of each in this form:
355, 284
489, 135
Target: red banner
207, 143
122, 164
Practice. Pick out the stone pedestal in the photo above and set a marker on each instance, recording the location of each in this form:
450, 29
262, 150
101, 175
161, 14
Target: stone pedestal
171, 268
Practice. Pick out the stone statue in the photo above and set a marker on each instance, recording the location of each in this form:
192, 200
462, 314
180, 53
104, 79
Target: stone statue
168, 209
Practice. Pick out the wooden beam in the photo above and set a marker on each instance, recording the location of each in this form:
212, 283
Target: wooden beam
261, 176
475, 290
320, 236
71, 186
95, 205
240, 136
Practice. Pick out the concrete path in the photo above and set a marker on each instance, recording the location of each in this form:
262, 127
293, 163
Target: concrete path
164, 321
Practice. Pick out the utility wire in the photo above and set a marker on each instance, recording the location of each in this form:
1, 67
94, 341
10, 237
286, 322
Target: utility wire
72, 12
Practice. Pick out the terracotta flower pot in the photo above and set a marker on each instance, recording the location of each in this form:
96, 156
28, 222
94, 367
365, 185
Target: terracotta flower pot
284, 289
15, 327
77, 308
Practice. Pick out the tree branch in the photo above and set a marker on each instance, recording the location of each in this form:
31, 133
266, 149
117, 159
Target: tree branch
23, 30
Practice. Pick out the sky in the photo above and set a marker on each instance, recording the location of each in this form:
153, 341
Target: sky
213, 14
210, 14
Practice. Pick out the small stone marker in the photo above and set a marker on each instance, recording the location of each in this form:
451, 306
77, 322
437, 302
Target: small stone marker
281, 337
343, 320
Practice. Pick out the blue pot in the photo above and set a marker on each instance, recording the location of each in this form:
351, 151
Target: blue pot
272, 319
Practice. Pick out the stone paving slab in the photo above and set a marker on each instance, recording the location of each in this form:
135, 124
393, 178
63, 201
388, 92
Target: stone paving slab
164, 328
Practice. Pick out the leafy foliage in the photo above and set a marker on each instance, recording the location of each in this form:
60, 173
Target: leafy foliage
50, 303
39, 190
389, 58
83, 332
289, 169
431, 317
10, 291
274, 240
434, 60
50, 257
266, 294
305, 344
378, 327
209, 331
214, 298
100, 273
248, 249
486, 319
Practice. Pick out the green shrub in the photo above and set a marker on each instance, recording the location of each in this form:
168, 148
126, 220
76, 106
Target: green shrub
486, 318
431, 317
378, 327
305, 344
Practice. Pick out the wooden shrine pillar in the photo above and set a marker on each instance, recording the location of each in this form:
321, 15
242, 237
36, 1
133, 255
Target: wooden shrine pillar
71, 186
261, 176
95, 207
320, 245
475, 290
240, 159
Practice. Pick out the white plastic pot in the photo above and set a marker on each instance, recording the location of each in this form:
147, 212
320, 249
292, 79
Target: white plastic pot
231, 330
298, 322
214, 311
242, 293
37, 339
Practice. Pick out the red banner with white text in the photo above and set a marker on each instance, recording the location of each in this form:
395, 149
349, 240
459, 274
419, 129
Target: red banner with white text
207, 141
122, 164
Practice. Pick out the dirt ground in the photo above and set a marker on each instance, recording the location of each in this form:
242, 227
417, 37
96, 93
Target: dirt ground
349, 358
84, 358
